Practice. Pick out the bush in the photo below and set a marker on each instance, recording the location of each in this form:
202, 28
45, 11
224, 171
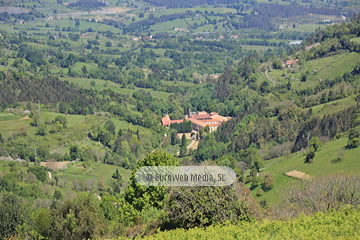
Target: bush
42, 130
57, 195
40, 172
342, 224
325, 193
62, 120
268, 182
353, 143
12, 214
255, 182
310, 157
190, 207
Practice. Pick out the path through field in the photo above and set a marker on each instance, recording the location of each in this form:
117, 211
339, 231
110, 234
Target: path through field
271, 80
311, 46
193, 145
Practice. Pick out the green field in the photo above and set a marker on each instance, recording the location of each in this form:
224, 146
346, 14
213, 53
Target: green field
357, 40
159, 13
326, 68
120, 124
170, 25
257, 47
101, 85
179, 83
324, 164
306, 28
9, 116
76, 131
334, 106
95, 172
206, 28
11, 125
79, 65
334, 66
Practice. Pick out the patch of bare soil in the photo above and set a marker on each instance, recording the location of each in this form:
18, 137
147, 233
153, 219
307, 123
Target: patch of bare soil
54, 165
297, 174
193, 145
311, 46
187, 135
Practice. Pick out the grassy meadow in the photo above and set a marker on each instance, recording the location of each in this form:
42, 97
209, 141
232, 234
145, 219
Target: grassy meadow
101, 85
325, 163
317, 70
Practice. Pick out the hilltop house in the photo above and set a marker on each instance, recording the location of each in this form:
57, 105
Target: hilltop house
199, 120
290, 63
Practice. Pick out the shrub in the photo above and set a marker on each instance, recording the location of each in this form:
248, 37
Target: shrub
268, 182
39, 172
190, 207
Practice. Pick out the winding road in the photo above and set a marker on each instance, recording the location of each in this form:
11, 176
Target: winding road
270, 79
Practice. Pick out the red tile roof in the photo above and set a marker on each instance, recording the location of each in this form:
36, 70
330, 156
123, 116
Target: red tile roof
202, 116
166, 121
202, 119
198, 122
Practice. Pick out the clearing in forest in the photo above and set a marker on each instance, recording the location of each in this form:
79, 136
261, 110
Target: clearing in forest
54, 165
297, 174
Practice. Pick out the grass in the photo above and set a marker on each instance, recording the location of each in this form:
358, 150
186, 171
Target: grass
334, 66
170, 25
120, 124
181, 10
324, 164
13, 125
9, 116
94, 173
357, 40
78, 65
257, 47
206, 28
275, 1
100, 86
3, 68
77, 128
179, 83
326, 68
334, 106
306, 28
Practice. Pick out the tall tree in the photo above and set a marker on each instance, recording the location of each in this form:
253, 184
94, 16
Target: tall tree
183, 141
144, 197
12, 214
173, 138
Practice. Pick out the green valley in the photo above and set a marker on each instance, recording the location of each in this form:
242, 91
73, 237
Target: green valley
91, 91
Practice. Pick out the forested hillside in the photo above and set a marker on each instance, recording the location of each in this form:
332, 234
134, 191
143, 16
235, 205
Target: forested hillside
84, 87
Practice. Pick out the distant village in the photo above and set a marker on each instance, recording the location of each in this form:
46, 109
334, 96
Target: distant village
199, 120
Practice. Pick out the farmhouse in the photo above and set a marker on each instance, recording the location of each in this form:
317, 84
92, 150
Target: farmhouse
290, 63
179, 29
199, 120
